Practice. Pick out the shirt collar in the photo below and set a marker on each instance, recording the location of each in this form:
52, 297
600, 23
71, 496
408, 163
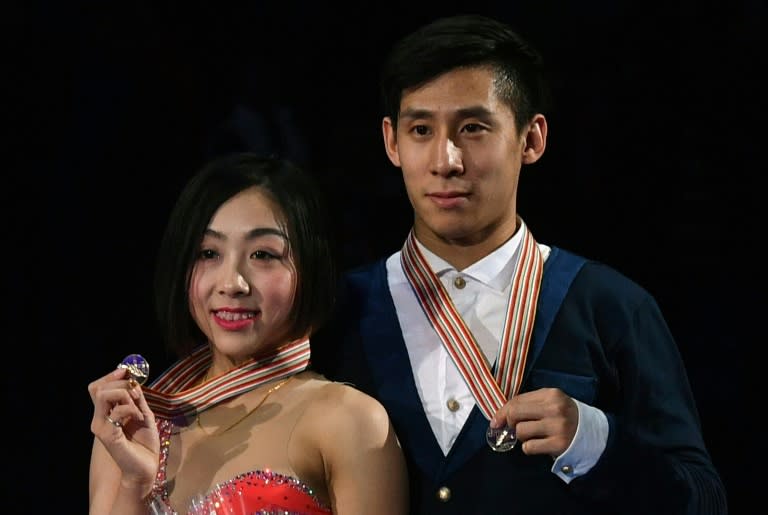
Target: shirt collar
494, 270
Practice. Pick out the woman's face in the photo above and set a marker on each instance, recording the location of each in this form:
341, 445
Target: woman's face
244, 281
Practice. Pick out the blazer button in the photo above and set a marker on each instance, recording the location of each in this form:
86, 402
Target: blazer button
459, 282
444, 494
453, 404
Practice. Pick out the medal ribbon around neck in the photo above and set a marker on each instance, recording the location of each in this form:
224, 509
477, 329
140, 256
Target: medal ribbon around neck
490, 392
179, 393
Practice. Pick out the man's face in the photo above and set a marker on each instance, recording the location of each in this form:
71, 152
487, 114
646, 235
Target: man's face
460, 155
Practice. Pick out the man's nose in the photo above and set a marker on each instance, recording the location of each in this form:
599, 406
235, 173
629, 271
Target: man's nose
447, 157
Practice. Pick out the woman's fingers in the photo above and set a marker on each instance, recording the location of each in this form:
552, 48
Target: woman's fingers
117, 400
141, 402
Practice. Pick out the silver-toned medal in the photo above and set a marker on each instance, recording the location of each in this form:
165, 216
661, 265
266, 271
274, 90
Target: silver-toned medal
500, 439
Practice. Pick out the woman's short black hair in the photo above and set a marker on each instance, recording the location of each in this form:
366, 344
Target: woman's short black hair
309, 242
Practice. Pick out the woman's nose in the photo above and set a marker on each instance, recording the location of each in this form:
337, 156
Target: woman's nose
235, 284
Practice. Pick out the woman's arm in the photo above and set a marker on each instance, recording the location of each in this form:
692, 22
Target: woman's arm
365, 467
126, 447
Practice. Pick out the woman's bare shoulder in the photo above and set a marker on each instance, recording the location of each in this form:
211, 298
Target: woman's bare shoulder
345, 403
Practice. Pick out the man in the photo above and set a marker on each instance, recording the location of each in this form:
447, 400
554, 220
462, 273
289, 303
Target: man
521, 378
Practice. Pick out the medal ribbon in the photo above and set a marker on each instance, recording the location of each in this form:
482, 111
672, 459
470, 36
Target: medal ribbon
178, 392
490, 391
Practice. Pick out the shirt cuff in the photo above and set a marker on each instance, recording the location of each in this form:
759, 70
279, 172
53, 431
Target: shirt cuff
587, 446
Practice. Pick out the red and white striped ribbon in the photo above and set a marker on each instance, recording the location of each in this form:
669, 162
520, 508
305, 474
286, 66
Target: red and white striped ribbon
490, 392
180, 392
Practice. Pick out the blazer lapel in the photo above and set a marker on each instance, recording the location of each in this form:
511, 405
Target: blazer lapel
560, 269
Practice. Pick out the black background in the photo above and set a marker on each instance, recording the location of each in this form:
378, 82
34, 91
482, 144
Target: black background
652, 166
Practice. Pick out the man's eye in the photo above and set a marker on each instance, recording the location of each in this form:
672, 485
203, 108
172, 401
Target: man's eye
421, 130
473, 127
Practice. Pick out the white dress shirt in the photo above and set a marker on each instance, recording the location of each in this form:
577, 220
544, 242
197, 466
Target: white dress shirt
480, 293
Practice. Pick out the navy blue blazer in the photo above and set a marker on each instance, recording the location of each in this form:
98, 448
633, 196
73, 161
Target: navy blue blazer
601, 339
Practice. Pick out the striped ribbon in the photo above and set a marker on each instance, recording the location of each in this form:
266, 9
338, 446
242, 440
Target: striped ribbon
490, 391
180, 392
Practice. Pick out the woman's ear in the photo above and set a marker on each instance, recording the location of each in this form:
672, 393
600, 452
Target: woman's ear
535, 139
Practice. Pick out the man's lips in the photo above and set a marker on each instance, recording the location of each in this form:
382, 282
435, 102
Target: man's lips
448, 199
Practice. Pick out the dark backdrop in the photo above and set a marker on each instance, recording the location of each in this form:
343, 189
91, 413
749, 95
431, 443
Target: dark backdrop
651, 167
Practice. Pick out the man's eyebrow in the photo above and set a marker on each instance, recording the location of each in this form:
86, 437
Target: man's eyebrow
465, 112
474, 112
410, 112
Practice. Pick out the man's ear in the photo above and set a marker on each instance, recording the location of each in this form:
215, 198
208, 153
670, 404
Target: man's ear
389, 132
535, 139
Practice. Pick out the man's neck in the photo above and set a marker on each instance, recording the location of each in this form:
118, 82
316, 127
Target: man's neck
462, 252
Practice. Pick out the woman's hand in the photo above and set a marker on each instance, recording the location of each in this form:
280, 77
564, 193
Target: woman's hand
125, 425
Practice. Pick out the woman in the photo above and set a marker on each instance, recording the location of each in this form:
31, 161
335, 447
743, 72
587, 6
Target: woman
240, 424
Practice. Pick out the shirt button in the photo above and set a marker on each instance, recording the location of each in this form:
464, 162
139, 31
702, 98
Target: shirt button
453, 404
459, 282
444, 493
566, 469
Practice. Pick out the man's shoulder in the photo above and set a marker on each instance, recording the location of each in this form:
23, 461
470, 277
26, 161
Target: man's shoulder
366, 267
598, 279
362, 275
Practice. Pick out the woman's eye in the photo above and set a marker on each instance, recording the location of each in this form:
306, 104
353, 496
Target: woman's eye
264, 255
208, 254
